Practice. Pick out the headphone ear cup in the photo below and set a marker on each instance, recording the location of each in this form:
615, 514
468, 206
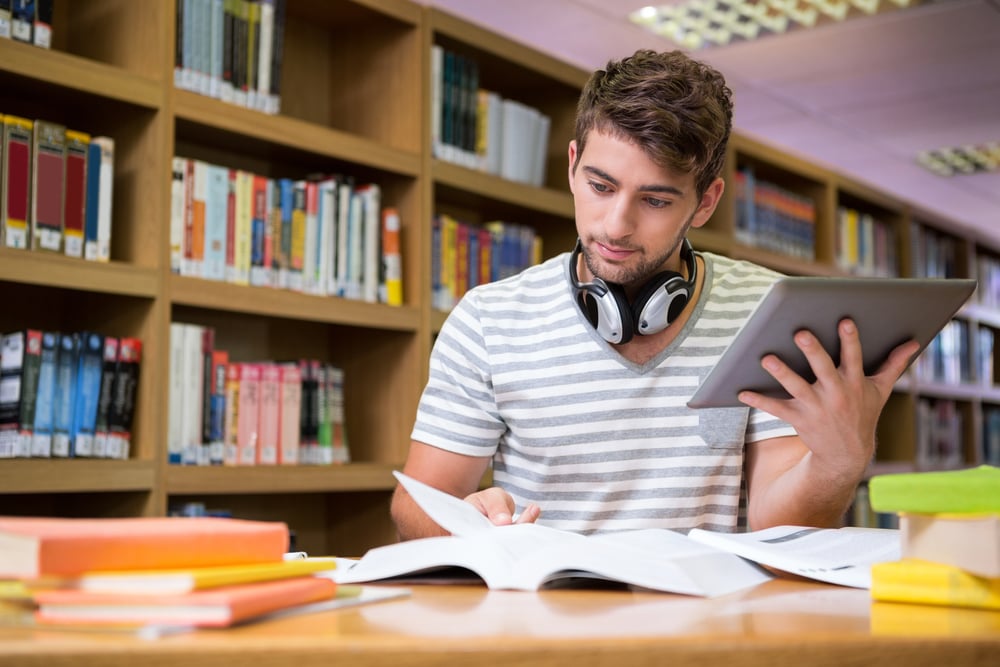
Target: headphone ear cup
659, 302
624, 312
608, 311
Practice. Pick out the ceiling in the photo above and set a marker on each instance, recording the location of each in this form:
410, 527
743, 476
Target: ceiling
861, 97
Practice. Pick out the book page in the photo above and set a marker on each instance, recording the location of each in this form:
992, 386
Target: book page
835, 555
453, 514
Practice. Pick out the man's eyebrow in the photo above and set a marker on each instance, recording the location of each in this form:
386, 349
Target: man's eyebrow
665, 189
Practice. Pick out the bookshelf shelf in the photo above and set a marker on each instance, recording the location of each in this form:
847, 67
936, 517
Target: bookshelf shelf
76, 475
51, 270
181, 480
485, 186
268, 302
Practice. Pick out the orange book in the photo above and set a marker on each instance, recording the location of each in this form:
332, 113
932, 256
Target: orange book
216, 607
43, 547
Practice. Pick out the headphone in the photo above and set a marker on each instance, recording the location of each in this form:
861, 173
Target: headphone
658, 303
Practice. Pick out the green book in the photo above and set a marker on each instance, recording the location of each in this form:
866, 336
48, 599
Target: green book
957, 491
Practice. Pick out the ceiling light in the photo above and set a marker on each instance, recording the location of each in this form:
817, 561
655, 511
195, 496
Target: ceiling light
967, 159
702, 23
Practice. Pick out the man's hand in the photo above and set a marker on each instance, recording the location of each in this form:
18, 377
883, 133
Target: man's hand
498, 506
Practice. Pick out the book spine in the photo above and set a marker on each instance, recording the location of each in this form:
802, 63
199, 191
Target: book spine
92, 197
392, 259
217, 442
22, 20
191, 388
248, 416
4, 21
67, 364
41, 438
178, 213
15, 212
216, 202
124, 397
269, 424
109, 363
12, 347
75, 201
48, 186
933, 583
207, 385
259, 275
88, 392
30, 370
105, 203
289, 417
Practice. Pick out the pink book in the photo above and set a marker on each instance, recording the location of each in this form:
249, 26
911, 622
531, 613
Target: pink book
290, 414
269, 414
248, 414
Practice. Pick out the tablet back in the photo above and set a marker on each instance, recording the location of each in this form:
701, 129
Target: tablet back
887, 311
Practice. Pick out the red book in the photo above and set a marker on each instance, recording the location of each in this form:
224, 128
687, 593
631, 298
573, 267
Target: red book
75, 201
217, 607
48, 185
38, 547
15, 191
248, 414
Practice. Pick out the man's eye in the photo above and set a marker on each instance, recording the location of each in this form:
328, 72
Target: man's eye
599, 187
657, 203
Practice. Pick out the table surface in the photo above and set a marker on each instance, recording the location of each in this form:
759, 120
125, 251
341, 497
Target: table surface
781, 622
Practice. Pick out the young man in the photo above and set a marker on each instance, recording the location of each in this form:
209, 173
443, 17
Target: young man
572, 378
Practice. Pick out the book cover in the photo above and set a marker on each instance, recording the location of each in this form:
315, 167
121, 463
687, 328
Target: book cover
94, 248
105, 204
217, 407
260, 274
242, 227
205, 394
269, 424
953, 491
75, 201
191, 391
123, 397
41, 437
15, 195
289, 422
109, 363
216, 202
87, 395
297, 247
220, 607
340, 451
310, 245
967, 541
187, 580
926, 582
309, 413
64, 395
194, 239
48, 185
34, 547
175, 396
232, 415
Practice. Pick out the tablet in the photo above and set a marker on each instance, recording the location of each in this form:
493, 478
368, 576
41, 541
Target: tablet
887, 311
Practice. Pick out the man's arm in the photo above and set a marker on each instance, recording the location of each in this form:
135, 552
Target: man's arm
811, 479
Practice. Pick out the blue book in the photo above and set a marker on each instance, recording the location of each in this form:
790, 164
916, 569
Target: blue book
93, 198
216, 208
41, 439
67, 362
87, 394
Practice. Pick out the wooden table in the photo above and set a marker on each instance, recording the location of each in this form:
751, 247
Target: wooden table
779, 623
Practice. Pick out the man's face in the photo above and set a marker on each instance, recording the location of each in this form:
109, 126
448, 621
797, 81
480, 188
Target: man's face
631, 214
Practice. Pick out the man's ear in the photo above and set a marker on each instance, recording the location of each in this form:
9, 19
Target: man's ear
572, 163
709, 201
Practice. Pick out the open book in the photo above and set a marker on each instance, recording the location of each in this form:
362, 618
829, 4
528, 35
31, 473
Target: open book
533, 556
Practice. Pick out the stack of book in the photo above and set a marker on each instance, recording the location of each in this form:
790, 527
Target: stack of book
950, 537
173, 572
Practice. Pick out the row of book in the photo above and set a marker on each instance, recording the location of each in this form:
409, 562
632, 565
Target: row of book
947, 358
323, 235
155, 575
865, 245
231, 50
67, 394
225, 412
28, 21
991, 435
940, 427
934, 254
479, 129
774, 218
464, 255
949, 523
988, 273
56, 189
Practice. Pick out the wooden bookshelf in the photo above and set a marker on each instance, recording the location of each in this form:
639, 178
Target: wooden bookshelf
356, 91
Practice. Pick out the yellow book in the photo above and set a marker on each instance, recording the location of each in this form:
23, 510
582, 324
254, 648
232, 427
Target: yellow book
179, 581
921, 620
927, 582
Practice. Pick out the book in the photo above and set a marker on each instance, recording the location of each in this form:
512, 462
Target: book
22, 20
42, 35
5, 19
178, 208
48, 185
969, 490
289, 414
100, 190
392, 259
220, 607
15, 190
967, 541
531, 556
75, 201
30, 371
34, 547
248, 411
926, 582
269, 414
12, 347
64, 394
87, 394
123, 397
187, 580
41, 435
109, 363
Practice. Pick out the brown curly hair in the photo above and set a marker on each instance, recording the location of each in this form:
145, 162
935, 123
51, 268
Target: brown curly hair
678, 110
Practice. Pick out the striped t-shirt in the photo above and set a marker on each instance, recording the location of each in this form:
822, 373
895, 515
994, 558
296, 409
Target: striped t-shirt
598, 442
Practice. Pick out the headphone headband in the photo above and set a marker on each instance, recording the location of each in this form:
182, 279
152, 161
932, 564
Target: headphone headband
657, 303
